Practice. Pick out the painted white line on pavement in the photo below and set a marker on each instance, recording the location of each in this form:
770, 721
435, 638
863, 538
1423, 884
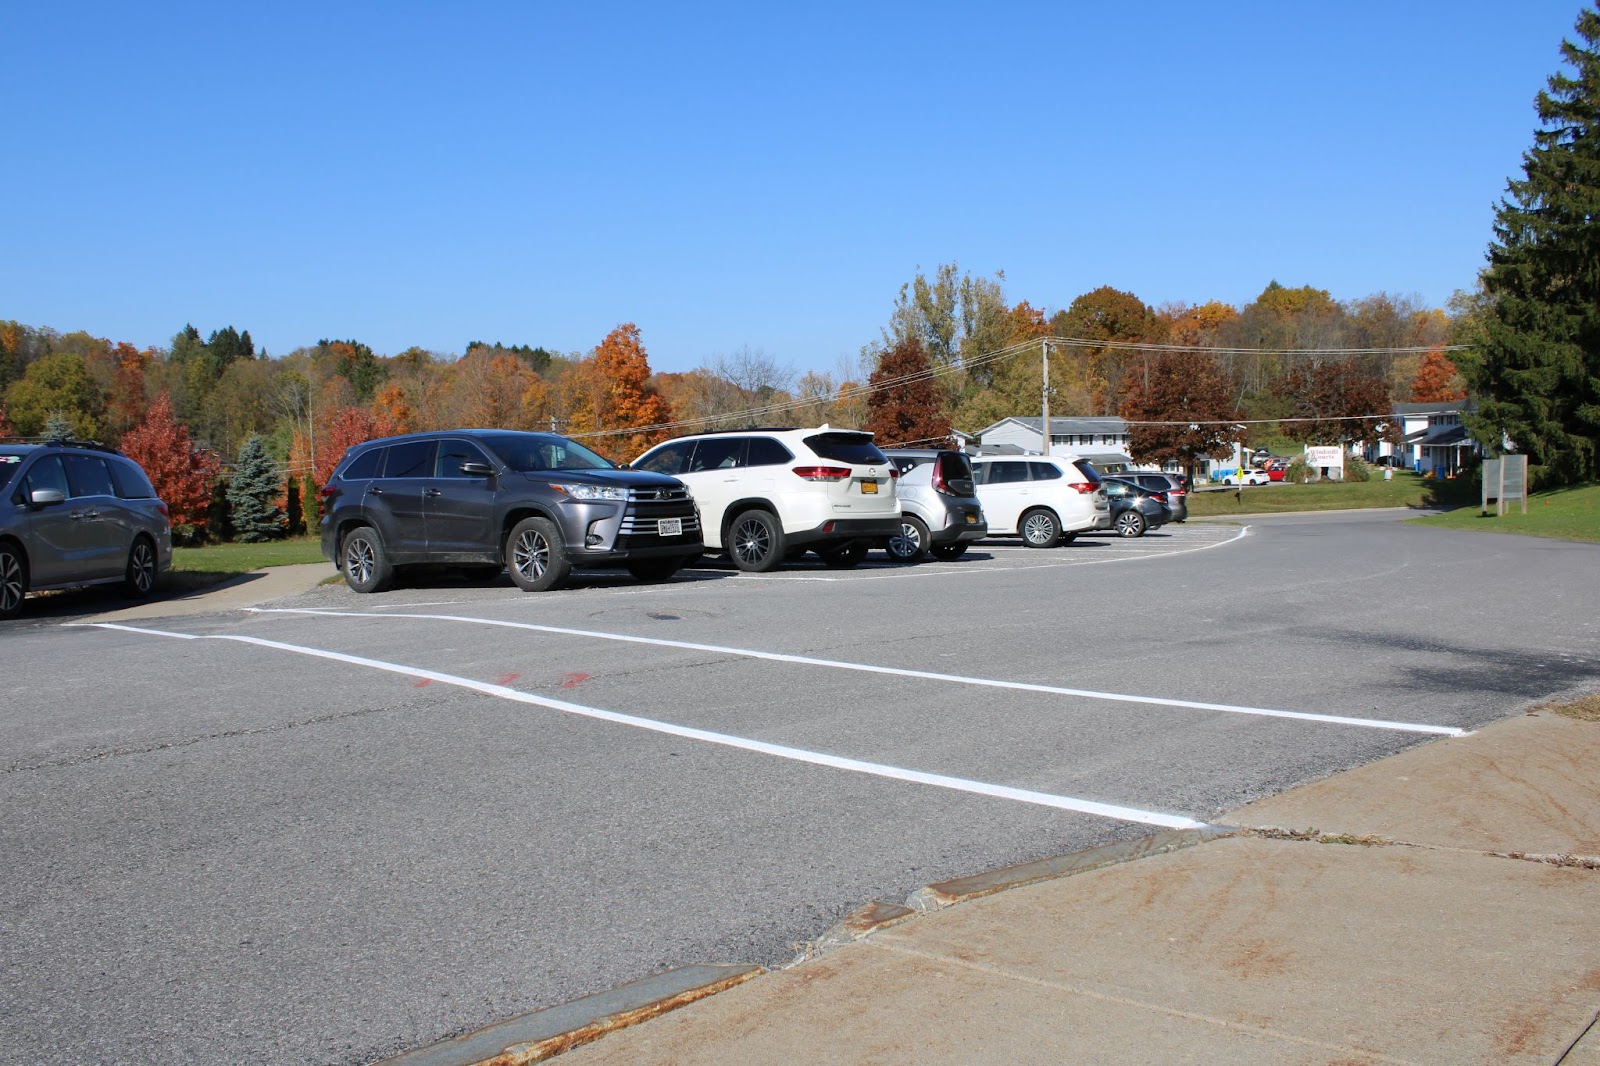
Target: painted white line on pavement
958, 784
959, 569
893, 671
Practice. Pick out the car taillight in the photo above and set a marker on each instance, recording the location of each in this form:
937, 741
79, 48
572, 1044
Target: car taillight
939, 482
894, 473
1085, 487
328, 492
1159, 497
822, 473
161, 506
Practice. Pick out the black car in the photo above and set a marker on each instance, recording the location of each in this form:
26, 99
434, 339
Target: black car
483, 499
1134, 508
1171, 484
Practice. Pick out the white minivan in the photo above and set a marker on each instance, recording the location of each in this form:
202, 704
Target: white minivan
1048, 499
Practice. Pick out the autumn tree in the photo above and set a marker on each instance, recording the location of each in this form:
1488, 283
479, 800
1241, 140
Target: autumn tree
1106, 314
252, 493
348, 427
181, 473
905, 406
1437, 380
1333, 401
128, 404
485, 391
57, 384
1537, 376
1181, 409
620, 395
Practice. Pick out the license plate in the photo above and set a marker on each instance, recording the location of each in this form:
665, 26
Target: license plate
669, 527
869, 488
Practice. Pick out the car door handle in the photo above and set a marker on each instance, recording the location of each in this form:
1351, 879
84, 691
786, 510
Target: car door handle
373, 490
432, 492
75, 515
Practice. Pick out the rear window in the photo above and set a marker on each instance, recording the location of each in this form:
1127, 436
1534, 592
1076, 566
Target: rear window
1087, 469
363, 466
411, 460
86, 476
130, 480
846, 447
954, 466
764, 451
907, 463
1045, 471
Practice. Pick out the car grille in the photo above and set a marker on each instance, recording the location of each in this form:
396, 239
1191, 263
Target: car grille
646, 508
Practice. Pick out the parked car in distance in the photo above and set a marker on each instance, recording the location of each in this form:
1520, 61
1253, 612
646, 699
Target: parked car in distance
1177, 495
1135, 509
939, 510
1048, 499
769, 494
77, 513
1249, 477
484, 500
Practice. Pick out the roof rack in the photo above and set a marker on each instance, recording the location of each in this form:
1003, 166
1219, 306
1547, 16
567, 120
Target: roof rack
62, 442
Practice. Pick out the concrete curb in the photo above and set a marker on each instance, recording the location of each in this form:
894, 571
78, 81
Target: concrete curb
544, 1033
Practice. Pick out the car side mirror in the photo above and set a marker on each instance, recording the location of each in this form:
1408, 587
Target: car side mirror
477, 469
47, 497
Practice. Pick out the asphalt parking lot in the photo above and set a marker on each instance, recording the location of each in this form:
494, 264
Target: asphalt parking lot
337, 827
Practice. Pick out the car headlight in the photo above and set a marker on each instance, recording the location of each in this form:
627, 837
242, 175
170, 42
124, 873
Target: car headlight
584, 491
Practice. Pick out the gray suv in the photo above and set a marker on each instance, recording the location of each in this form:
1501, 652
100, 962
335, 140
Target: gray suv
484, 500
74, 513
939, 510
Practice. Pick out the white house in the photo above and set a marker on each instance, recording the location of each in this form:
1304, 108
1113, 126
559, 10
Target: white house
1102, 441
1433, 438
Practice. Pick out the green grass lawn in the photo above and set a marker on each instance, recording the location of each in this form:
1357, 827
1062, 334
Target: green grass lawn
1406, 490
1565, 514
233, 559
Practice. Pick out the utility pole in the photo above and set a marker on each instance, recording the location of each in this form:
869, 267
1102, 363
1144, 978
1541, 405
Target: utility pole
1044, 350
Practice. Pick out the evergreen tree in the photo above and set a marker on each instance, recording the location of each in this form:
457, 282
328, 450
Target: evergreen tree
1537, 375
57, 427
253, 492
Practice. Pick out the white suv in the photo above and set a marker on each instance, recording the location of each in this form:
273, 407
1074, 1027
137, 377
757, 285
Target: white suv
768, 494
1049, 499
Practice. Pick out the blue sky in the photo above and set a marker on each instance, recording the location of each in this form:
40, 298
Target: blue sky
730, 175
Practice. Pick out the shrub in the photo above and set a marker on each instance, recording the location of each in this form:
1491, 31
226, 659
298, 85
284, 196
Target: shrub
1298, 472
1356, 469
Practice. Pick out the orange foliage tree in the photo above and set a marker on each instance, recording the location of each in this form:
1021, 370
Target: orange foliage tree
182, 474
127, 406
619, 396
1437, 380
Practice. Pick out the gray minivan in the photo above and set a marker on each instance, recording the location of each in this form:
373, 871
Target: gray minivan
77, 513
939, 511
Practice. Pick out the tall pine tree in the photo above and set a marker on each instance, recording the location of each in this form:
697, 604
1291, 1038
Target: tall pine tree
1537, 376
253, 493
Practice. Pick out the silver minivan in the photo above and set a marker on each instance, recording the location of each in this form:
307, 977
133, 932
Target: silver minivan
939, 512
75, 513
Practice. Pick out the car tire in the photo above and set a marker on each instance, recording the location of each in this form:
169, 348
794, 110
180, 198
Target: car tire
755, 541
948, 553
1040, 528
536, 555
847, 557
13, 580
139, 580
1130, 524
911, 543
655, 570
365, 561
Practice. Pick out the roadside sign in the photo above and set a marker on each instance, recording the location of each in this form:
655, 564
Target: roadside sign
1505, 479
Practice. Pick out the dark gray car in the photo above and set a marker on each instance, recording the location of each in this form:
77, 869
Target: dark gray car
1177, 496
1134, 508
75, 513
481, 500
939, 510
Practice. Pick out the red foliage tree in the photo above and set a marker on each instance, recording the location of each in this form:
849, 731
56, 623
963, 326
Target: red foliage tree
907, 407
1437, 380
1180, 408
1332, 402
182, 474
350, 426
127, 406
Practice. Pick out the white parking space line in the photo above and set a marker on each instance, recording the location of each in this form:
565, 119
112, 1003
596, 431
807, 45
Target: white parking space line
894, 671
958, 784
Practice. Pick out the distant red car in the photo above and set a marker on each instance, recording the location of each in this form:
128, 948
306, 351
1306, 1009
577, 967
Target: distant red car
1275, 471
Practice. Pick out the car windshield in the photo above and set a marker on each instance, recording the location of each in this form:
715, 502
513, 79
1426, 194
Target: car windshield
10, 463
527, 453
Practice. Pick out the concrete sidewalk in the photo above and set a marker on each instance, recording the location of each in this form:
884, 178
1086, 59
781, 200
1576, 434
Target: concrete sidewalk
1438, 906
246, 590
